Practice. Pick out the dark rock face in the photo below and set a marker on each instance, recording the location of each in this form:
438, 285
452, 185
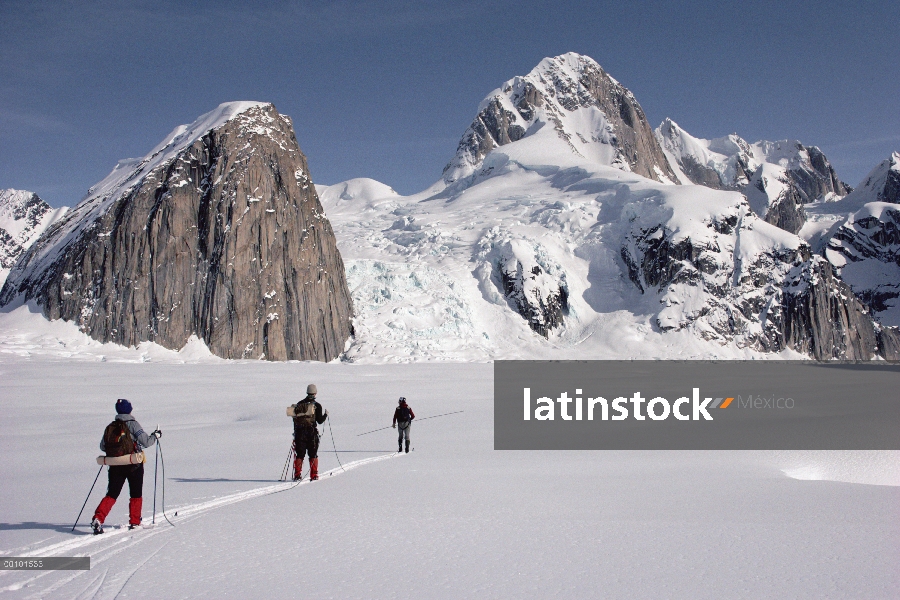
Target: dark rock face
866, 250
530, 282
785, 210
775, 297
889, 343
820, 180
494, 126
810, 172
541, 305
701, 174
823, 318
556, 88
891, 191
226, 240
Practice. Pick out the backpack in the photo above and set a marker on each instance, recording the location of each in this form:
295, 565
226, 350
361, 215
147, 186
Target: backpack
305, 413
117, 439
403, 414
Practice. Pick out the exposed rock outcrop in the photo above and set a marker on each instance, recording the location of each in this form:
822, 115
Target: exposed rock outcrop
889, 343
774, 196
823, 318
821, 179
218, 233
575, 98
532, 284
882, 184
733, 277
865, 246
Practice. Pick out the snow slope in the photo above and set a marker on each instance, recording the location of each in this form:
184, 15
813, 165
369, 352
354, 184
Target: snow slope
23, 217
452, 519
418, 260
24, 332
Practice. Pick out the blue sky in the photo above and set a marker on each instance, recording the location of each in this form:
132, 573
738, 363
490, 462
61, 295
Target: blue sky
385, 89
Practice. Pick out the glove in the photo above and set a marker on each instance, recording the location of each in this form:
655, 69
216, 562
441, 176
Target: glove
326, 413
157, 434
394, 426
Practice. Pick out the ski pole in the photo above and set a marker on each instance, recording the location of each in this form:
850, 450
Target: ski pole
88, 497
422, 419
287, 462
163, 459
374, 430
155, 466
455, 412
333, 445
367, 451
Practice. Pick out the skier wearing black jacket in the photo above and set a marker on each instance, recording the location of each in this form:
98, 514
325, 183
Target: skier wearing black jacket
306, 414
122, 437
403, 416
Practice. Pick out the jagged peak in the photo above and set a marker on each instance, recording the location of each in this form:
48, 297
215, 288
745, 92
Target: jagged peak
670, 126
20, 205
563, 73
14, 196
570, 61
882, 184
576, 109
892, 163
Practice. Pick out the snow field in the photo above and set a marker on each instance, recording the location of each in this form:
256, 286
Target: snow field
454, 518
424, 270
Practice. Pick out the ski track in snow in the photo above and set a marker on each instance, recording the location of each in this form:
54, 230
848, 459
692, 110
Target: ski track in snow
117, 540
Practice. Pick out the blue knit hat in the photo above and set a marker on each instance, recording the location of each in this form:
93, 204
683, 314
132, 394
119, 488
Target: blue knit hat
123, 406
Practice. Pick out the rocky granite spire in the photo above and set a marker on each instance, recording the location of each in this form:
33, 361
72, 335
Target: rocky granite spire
217, 233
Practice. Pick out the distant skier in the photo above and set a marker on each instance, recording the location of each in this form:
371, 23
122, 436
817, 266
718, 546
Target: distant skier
122, 437
403, 416
306, 414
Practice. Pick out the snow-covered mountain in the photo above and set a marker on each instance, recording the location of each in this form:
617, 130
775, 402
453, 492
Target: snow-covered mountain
865, 245
23, 217
562, 228
535, 245
777, 178
216, 233
882, 184
570, 103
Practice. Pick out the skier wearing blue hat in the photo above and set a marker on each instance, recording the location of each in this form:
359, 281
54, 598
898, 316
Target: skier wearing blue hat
122, 437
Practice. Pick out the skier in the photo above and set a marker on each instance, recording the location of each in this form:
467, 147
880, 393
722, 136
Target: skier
403, 416
122, 437
306, 414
